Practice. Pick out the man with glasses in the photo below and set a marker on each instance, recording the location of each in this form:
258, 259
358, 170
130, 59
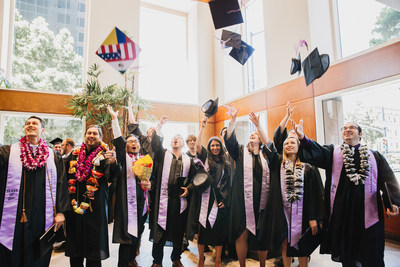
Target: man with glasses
354, 214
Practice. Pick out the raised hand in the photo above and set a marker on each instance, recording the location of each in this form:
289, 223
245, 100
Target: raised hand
289, 110
203, 122
298, 128
234, 112
163, 120
254, 119
114, 114
111, 155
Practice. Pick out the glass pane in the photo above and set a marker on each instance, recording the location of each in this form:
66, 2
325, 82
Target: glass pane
164, 68
364, 24
256, 65
12, 128
377, 111
45, 46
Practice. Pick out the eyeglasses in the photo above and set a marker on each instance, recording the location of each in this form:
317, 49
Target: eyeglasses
351, 127
132, 141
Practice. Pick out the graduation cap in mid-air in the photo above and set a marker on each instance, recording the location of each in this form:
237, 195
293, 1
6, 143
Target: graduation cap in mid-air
315, 65
56, 141
296, 65
225, 13
210, 107
231, 39
243, 53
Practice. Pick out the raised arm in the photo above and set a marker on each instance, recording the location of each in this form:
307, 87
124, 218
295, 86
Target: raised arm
199, 139
256, 121
115, 126
156, 141
285, 120
131, 117
312, 152
160, 124
232, 122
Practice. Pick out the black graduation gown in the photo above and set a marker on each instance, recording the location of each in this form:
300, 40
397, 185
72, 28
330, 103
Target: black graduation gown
120, 231
217, 235
87, 234
276, 225
347, 239
176, 221
25, 246
237, 217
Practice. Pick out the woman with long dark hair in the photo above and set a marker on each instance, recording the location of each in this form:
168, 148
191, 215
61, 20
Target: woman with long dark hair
208, 208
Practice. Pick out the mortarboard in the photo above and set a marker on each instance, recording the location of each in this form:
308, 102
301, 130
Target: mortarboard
225, 13
315, 65
118, 50
56, 141
296, 65
210, 107
243, 53
231, 39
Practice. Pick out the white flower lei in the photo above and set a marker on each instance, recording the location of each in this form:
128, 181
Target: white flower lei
348, 160
293, 181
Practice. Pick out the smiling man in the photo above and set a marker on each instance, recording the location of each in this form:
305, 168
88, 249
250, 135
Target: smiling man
354, 213
31, 175
90, 168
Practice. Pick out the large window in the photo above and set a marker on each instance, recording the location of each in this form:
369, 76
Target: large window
376, 110
165, 72
12, 127
48, 45
364, 24
255, 37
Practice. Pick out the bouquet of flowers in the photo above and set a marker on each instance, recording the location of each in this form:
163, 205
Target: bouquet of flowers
143, 168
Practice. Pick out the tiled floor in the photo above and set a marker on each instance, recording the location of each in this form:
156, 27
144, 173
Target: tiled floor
189, 258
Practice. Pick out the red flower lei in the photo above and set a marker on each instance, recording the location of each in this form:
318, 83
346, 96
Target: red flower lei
27, 158
85, 162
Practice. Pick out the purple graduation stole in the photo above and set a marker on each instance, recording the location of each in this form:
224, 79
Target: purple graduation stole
370, 191
293, 212
163, 203
248, 188
131, 198
205, 198
14, 177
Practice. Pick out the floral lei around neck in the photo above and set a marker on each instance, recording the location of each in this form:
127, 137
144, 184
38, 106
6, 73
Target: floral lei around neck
293, 181
27, 159
84, 170
349, 166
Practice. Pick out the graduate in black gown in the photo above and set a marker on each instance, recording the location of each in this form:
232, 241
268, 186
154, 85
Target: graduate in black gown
168, 210
354, 213
208, 214
295, 200
28, 186
249, 193
130, 204
90, 168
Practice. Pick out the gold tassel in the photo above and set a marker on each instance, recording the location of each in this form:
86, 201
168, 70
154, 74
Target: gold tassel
23, 217
90, 206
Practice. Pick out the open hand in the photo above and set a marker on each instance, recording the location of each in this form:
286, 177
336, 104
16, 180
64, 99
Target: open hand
114, 114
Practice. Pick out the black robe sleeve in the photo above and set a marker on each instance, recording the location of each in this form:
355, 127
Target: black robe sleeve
317, 155
62, 199
386, 175
279, 138
232, 146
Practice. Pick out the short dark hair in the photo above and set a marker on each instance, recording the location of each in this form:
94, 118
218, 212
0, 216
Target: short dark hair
97, 127
37, 118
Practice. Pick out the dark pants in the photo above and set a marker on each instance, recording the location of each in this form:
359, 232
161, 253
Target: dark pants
126, 254
78, 262
158, 248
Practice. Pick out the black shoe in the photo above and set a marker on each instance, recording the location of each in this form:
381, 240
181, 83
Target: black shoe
60, 248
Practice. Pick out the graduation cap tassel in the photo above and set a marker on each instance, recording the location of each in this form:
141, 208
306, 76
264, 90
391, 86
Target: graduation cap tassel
24, 219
